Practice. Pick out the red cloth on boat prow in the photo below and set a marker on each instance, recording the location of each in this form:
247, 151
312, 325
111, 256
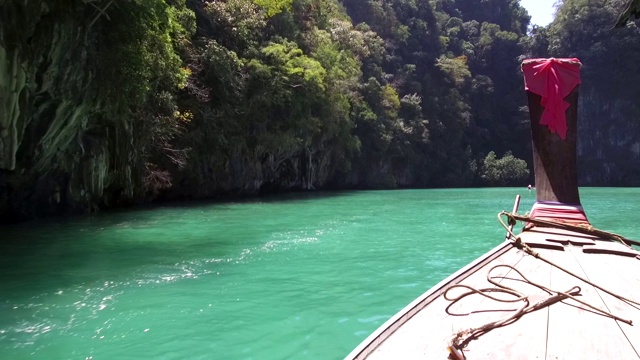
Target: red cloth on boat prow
552, 79
572, 214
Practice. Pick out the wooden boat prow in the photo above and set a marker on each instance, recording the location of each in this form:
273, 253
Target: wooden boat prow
539, 266
564, 330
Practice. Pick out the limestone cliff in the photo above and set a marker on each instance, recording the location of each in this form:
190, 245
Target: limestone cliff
56, 149
608, 140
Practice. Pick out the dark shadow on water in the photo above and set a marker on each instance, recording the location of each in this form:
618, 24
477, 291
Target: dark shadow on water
44, 255
265, 198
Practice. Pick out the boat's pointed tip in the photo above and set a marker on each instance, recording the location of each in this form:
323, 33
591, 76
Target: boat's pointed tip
455, 354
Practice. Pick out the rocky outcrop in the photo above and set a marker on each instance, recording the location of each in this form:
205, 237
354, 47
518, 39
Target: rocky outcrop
608, 140
54, 154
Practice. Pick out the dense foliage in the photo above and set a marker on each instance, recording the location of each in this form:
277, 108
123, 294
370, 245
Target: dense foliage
358, 94
505, 171
108, 102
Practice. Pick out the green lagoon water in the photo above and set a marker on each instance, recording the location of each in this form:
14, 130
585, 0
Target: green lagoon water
294, 277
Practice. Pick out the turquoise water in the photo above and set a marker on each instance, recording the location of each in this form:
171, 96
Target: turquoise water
300, 276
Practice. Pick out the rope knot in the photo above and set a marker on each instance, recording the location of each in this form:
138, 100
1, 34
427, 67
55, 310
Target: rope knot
518, 243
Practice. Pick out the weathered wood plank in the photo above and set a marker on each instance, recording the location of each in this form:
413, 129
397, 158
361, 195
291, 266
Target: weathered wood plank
565, 240
610, 247
554, 232
619, 275
525, 338
576, 332
624, 267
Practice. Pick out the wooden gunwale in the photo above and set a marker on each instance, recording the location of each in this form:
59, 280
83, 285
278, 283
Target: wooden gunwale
383, 332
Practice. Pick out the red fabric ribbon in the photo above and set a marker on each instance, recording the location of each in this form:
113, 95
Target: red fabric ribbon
552, 79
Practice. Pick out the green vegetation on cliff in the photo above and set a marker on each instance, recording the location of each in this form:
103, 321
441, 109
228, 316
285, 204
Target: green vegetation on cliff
112, 102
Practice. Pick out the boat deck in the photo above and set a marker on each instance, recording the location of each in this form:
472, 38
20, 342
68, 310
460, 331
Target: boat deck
563, 330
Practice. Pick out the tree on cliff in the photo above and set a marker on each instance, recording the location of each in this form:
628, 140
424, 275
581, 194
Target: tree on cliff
505, 171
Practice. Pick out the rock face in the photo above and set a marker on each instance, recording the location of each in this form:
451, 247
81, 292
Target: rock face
608, 140
49, 160
12, 87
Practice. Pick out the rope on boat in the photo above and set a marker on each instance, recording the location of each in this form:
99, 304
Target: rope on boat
518, 243
586, 229
462, 338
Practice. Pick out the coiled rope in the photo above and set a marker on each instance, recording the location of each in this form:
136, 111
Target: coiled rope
462, 338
